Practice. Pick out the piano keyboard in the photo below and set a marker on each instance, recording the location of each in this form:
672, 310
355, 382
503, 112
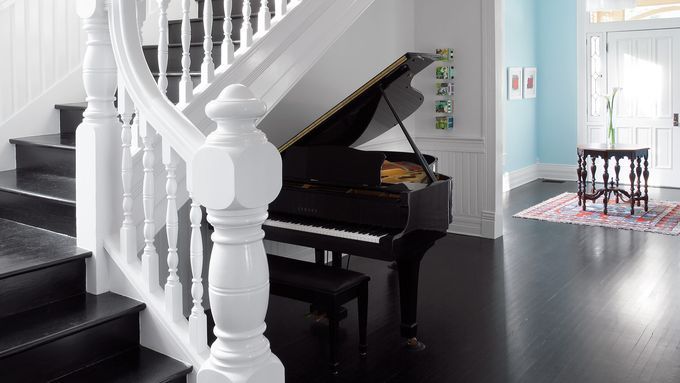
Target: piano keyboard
371, 236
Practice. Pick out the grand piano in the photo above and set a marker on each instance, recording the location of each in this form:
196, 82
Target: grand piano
390, 206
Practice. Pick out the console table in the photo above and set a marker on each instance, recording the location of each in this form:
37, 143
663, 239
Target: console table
638, 156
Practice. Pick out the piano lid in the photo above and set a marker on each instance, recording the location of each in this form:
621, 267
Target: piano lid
365, 115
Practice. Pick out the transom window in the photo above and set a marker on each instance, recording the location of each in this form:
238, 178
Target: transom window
603, 11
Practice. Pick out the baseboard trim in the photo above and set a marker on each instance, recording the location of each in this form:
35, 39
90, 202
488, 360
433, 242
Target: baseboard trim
557, 172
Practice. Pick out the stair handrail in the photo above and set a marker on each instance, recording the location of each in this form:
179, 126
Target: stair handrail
181, 134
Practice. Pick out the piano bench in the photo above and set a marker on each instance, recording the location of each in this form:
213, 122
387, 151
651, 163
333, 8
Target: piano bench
328, 287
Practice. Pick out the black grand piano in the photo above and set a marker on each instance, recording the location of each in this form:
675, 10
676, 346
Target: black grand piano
390, 206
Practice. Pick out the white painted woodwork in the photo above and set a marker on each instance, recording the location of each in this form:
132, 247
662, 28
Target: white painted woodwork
237, 203
246, 37
263, 18
227, 42
281, 8
208, 66
173, 287
149, 256
97, 154
186, 87
197, 319
128, 230
163, 45
646, 64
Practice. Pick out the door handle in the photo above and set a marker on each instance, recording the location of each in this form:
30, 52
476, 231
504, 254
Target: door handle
676, 120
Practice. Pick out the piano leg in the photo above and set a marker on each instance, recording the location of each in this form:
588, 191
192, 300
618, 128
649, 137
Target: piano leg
409, 270
319, 256
337, 259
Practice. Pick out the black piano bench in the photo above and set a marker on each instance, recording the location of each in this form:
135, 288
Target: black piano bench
328, 287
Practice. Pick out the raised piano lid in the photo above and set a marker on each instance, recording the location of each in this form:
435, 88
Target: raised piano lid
364, 115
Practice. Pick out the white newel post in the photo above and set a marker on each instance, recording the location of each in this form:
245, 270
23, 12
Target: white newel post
97, 150
235, 175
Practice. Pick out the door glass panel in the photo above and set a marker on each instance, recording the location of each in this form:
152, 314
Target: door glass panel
644, 10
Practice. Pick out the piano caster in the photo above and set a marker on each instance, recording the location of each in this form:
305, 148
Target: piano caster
414, 345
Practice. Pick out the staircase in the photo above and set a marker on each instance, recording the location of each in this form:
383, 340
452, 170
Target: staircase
51, 329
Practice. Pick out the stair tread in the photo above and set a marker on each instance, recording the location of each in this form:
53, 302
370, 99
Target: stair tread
52, 187
41, 325
139, 365
72, 106
25, 248
59, 141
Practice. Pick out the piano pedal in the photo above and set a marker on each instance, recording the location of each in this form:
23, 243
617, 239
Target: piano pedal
414, 345
317, 316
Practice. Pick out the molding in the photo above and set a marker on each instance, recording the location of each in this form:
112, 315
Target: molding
466, 225
489, 223
558, 172
520, 177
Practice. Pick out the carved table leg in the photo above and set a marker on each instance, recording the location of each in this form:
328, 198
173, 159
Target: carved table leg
632, 186
578, 177
638, 171
584, 179
646, 175
617, 169
593, 169
605, 178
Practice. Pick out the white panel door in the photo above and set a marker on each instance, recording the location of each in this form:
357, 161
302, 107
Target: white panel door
646, 64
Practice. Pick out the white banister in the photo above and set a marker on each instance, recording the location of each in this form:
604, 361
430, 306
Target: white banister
227, 42
246, 37
186, 87
128, 229
173, 287
198, 325
263, 17
184, 137
163, 45
236, 201
208, 66
149, 256
281, 8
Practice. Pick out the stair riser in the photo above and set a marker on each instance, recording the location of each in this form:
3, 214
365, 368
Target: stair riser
54, 359
175, 30
175, 58
50, 160
38, 212
236, 7
69, 120
26, 291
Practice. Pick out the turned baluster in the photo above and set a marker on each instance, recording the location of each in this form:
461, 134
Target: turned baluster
281, 7
250, 173
186, 87
149, 256
128, 230
173, 287
198, 324
227, 43
163, 45
208, 66
263, 18
246, 27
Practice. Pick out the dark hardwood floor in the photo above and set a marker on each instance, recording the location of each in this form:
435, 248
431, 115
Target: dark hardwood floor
547, 303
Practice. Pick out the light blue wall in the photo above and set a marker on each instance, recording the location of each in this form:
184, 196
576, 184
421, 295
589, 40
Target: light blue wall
557, 81
520, 45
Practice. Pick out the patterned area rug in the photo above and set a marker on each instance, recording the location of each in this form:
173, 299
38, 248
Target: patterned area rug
663, 217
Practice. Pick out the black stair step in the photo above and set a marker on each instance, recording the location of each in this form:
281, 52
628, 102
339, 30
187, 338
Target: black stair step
39, 199
236, 7
56, 339
25, 248
50, 187
139, 365
37, 267
175, 28
47, 323
54, 154
70, 116
175, 56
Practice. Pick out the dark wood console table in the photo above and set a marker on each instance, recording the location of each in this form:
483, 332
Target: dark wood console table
636, 154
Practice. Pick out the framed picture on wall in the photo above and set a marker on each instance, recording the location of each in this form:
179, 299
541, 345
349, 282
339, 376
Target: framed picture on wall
530, 82
515, 83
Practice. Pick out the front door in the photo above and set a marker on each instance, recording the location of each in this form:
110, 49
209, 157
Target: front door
646, 65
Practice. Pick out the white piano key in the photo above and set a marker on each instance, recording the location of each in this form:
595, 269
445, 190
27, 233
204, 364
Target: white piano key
325, 231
